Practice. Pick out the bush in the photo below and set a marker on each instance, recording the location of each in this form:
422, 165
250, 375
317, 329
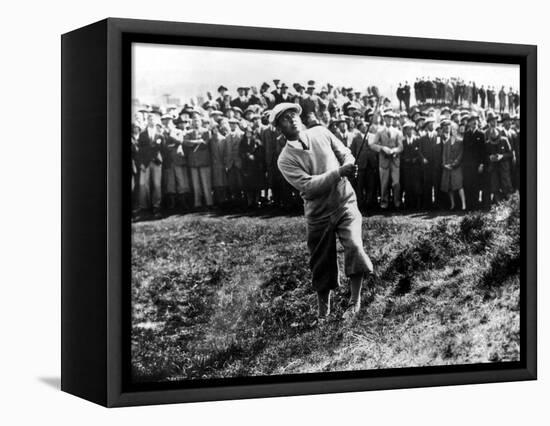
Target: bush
475, 231
506, 260
504, 263
429, 251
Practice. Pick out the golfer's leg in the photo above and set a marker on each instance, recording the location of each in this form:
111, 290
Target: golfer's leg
321, 242
323, 303
357, 263
356, 281
349, 230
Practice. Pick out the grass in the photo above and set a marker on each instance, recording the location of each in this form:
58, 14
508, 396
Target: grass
226, 296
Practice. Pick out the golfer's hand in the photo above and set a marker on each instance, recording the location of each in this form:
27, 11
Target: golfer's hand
348, 170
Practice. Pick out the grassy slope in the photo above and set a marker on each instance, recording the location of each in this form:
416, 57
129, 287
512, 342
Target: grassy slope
229, 296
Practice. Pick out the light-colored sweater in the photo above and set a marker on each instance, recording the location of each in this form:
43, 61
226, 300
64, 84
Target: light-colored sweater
315, 172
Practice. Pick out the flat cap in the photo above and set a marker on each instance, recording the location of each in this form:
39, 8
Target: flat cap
281, 108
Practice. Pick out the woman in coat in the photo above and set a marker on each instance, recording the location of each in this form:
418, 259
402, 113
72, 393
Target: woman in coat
500, 156
252, 155
219, 175
451, 177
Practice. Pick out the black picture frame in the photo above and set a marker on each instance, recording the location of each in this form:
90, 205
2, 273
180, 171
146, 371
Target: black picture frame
96, 221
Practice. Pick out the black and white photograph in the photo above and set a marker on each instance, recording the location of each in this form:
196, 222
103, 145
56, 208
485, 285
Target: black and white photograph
296, 213
287, 213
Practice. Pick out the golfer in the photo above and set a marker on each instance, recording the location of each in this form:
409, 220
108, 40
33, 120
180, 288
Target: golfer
318, 164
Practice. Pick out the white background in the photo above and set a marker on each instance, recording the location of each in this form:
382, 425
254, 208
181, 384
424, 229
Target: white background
30, 218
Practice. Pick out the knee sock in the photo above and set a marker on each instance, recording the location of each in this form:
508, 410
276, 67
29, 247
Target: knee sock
355, 286
323, 300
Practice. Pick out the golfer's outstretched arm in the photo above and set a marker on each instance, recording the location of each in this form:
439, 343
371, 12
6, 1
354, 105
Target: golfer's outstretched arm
310, 186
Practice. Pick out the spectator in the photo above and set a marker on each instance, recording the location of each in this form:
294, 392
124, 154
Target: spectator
175, 171
388, 142
430, 152
500, 156
252, 157
473, 161
411, 172
197, 140
451, 176
150, 167
219, 175
233, 162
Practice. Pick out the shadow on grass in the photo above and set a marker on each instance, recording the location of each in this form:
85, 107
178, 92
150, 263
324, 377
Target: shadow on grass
235, 213
429, 215
270, 212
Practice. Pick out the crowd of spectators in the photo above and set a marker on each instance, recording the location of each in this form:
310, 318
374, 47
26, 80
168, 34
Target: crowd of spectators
221, 153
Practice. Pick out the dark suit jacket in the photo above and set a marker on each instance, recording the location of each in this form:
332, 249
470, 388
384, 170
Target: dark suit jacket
223, 104
431, 151
237, 102
150, 149
279, 98
198, 155
170, 154
365, 157
309, 104
474, 148
411, 152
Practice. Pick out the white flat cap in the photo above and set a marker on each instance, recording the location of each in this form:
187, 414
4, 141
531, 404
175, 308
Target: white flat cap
282, 107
